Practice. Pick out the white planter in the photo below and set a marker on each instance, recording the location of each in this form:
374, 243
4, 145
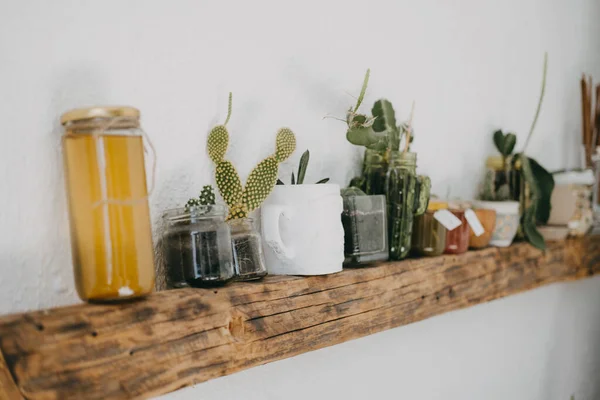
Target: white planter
507, 220
302, 230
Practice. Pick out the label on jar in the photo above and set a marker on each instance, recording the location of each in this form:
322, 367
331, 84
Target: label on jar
447, 219
474, 223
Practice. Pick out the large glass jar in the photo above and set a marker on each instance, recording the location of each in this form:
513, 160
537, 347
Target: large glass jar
375, 168
365, 229
407, 196
105, 176
457, 240
247, 250
429, 235
197, 247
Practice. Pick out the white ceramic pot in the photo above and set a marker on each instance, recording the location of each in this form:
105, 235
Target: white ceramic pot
507, 220
302, 230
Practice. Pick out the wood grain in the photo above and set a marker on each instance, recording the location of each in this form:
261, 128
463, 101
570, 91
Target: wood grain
178, 338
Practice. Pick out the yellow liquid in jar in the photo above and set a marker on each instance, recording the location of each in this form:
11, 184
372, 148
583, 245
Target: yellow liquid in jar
111, 243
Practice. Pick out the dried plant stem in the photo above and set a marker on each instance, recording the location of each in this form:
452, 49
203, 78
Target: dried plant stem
229, 108
539, 106
409, 127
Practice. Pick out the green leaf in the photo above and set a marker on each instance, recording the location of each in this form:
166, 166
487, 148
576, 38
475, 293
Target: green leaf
363, 90
324, 180
545, 185
510, 139
367, 137
385, 116
293, 180
499, 141
529, 220
302, 167
533, 236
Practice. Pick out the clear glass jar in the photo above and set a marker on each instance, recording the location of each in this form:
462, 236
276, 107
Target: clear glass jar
365, 229
503, 181
375, 168
111, 237
407, 195
429, 236
457, 240
197, 247
248, 255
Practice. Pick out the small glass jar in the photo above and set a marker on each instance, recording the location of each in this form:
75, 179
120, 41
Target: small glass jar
365, 229
487, 218
503, 181
248, 255
429, 236
457, 240
197, 247
375, 168
111, 235
407, 196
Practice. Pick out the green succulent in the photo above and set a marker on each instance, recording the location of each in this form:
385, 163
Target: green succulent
302, 166
242, 200
207, 197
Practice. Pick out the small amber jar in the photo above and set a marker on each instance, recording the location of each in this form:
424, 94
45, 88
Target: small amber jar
457, 240
111, 236
429, 236
488, 221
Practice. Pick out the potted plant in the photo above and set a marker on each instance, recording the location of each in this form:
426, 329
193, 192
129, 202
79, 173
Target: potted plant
301, 226
241, 200
388, 170
517, 178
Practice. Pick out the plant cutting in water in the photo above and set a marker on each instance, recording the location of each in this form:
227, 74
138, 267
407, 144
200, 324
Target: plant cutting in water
302, 166
262, 179
540, 181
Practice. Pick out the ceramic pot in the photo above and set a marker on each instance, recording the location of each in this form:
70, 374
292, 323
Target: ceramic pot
487, 217
507, 220
302, 230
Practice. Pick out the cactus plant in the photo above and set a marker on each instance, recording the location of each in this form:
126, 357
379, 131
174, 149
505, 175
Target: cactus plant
206, 198
378, 132
302, 166
262, 179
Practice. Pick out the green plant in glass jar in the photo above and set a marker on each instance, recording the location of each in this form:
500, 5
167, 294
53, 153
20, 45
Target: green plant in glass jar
241, 200
518, 177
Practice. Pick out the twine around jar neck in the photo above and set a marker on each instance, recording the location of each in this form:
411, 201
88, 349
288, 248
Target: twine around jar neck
123, 122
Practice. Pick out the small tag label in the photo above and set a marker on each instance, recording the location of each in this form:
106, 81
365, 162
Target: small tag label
474, 223
447, 219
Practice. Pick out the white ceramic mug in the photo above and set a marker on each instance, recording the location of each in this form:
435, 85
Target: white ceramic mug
507, 220
302, 230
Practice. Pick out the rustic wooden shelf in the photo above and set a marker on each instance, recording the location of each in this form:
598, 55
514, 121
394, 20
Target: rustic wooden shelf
177, 338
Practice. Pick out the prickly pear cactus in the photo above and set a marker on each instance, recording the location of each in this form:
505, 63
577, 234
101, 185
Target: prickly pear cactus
262, 178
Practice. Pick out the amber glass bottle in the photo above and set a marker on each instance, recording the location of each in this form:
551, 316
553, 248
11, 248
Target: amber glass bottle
429, 236
111, 235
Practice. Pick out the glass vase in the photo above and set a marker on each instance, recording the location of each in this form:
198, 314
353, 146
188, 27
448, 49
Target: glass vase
247, 250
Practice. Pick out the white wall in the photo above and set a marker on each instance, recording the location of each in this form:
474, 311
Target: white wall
471, 65
540, 345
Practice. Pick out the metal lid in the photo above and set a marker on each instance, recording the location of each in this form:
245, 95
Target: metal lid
80, 114
497, 163
435, 205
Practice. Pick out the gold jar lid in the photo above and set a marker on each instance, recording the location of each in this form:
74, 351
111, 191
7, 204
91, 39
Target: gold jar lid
497, 163
435, 205
81, 114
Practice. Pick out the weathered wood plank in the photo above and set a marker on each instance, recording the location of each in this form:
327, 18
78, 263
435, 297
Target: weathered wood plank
177, 338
